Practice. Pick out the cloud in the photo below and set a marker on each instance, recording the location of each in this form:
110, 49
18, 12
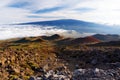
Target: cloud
4, 3
48, 10
101, 11
84, 9
15, 31
37, 16
19, 4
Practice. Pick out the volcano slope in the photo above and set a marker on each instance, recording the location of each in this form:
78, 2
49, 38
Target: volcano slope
22, 58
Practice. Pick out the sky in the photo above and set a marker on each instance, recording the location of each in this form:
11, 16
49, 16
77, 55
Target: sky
99, 11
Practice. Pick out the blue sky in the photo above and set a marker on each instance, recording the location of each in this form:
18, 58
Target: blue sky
100, 11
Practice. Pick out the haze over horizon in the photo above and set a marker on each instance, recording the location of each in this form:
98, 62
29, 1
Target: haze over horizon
99, 11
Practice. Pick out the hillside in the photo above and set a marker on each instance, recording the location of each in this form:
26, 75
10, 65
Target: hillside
110, 43
78, 41
52, 38
107, 37
42, 57
88, 39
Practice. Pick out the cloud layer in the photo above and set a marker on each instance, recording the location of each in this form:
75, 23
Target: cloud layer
15, 31
101, 11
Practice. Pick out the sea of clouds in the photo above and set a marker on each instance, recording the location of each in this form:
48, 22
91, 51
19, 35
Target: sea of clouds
18, 31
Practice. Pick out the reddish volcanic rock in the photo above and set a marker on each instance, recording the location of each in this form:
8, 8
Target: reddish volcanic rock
88, 39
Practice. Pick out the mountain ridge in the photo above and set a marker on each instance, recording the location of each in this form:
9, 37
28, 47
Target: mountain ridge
77, 25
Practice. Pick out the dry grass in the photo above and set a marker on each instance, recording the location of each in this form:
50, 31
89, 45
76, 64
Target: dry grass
22, 60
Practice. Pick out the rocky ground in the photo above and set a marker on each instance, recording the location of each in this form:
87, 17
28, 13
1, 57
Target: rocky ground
80, 74
98, 64
40, 59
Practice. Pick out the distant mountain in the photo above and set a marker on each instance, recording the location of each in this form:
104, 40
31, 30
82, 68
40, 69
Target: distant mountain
78, 25
107, 37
